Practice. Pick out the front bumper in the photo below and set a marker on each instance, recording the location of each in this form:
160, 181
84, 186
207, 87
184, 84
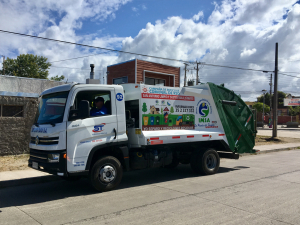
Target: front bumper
41, 158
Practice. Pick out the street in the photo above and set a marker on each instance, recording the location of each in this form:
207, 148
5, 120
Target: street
257, 189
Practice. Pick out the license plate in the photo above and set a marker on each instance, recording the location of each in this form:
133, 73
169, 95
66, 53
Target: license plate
35, 165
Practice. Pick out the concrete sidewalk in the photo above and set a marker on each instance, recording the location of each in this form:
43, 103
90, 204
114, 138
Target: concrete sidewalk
281, 132
261, 149
31, 176
22, 177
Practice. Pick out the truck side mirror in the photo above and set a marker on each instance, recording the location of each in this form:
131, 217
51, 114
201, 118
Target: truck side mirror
82, 112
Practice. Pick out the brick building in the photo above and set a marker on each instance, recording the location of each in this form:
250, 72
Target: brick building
137, 71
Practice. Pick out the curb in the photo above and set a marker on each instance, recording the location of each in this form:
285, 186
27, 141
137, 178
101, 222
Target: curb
30, 180
270, 151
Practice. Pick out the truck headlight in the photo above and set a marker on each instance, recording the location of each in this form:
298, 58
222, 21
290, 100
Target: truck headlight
53, 157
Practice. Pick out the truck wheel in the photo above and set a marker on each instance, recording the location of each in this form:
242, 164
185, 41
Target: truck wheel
205, 162
173, 164
106, 173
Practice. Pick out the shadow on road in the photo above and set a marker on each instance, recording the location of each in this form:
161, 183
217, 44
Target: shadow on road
50, 191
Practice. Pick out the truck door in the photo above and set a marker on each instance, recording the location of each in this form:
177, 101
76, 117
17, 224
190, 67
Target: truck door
98, 129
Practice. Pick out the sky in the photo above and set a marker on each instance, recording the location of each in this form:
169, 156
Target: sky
240, 33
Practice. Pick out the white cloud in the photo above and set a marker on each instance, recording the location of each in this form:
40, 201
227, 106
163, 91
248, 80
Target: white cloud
198, 16
248, 52
134, 9
230, 38
239, 33
58, 20
144, 7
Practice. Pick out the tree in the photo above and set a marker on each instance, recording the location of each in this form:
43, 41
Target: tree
281, 96
144, 107
171, 110
259, 107
267, 98
294, 110
57, 78
28, 65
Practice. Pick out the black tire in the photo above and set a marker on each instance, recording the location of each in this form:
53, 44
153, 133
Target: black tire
173, 164
106, 174
206, 162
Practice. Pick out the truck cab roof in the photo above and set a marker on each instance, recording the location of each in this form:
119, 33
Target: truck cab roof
68, 87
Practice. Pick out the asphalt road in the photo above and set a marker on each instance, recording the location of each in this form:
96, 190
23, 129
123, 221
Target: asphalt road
258, 189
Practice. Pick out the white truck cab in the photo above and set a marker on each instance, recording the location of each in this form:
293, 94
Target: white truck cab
138, 126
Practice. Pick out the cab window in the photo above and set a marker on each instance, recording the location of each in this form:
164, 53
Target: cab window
100, 102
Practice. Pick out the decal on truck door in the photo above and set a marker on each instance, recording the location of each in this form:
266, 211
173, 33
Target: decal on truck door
98, 128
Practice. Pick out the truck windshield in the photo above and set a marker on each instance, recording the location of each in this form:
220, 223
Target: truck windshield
51, 108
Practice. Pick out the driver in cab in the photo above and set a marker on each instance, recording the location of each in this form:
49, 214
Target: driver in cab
99, 108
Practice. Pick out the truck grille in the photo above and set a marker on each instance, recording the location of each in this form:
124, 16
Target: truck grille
45, 141
39, 156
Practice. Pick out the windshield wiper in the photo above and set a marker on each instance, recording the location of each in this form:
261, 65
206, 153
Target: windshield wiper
36, 124
53, 124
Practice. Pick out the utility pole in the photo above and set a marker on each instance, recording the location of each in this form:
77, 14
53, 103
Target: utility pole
271, 97
263, 114
184, 85
3, 65
197, 79
275, 103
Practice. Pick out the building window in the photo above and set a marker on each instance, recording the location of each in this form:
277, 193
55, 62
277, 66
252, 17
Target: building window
153, 81
12, 111
120, 80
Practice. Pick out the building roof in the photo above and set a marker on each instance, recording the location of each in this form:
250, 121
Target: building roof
250, 103
142, 60
121, 62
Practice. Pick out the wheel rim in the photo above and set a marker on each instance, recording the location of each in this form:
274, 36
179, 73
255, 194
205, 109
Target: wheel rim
211, 161
107, 173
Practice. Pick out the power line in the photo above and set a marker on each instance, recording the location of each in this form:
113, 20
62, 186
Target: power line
72, 68
75, 58
120, 51
90, 46
292, 72
297, 60
287, 75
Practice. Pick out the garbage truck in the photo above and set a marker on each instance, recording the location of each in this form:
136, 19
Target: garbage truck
144, 126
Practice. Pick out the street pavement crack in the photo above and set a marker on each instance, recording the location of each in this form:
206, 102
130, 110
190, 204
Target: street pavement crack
242, 209
118, 213
28, 215
195, 195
